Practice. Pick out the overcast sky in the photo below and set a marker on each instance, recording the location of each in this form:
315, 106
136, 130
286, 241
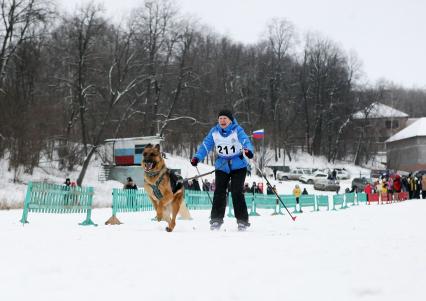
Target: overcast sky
389, 36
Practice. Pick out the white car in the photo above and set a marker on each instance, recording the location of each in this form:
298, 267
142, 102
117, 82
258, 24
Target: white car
293, 174
309, 179
341, 173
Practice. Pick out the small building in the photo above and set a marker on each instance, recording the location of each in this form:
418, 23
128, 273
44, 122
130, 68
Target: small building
122, 158
382, 122
128, 151
406, 150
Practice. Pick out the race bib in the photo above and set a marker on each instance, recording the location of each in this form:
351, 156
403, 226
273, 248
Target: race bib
227, 147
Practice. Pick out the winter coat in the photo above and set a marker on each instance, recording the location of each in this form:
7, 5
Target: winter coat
297, 192
368, 189
424, 182
397, 185
412, 184
384, 188
229, 144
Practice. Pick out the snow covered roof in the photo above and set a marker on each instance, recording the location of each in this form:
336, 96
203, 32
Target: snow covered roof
379, 110
418, 128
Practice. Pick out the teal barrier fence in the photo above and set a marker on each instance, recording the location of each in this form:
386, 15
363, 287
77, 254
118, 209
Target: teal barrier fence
349, 199
338, 199
289, 201
307, 200
361, 197
54, 198
322, 201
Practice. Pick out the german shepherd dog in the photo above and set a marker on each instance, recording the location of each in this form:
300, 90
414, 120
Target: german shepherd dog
165, 189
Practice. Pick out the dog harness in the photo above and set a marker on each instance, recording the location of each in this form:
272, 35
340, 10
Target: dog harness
154, 186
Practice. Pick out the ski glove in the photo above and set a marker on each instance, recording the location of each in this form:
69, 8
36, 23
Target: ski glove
194, 161
248, 153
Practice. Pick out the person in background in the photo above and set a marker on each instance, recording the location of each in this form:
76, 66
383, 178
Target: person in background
423, 186
384, 187
334, 174
304, 191
246, 188
412, 186
297, 192
259, 187
368, 189
130, 184
269, 190
206, 185
195, 185
397, 184
253, 188
213, 185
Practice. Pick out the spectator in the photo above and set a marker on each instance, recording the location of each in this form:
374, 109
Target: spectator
297, 192
253, 188
246, 188
304, 191
213, 185
130, 184
269, 190
404, 184
418, 188
259, 187
424, 186
206, 185
384, 188
347, 190
368, 189
412, 186
334, 174
195, 185
397, 184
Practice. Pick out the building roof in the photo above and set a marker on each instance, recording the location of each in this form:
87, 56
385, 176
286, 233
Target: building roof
417, 128
379, 110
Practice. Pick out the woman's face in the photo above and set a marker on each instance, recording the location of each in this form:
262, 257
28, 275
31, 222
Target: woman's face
224, 121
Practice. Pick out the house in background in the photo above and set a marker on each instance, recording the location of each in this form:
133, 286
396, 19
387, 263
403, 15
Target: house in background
122, 158
370, 128
406, 150
382, 120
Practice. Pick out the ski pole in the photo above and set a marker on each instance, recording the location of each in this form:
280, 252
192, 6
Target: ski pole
270, 186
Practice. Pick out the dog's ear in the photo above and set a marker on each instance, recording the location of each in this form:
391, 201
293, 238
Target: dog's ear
148, 145
157, 146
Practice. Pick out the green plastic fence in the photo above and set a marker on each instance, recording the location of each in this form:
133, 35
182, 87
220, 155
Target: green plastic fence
361, 198
289, 201
196, 200
349, 199
307, 200
338, 199
322, 201
130, 200
54, 198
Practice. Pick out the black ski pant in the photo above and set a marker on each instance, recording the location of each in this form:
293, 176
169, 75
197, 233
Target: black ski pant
237, 178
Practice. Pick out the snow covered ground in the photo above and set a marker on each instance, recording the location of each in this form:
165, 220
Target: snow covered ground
365, 252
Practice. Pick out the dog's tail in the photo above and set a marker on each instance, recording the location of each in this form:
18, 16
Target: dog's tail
183, 210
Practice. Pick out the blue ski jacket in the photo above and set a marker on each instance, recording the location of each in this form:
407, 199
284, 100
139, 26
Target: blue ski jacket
226, 164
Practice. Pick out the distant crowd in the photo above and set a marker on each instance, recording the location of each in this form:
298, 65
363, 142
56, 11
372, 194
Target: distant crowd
415, 186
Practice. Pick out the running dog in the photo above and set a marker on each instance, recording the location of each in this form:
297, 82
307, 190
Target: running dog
164, 188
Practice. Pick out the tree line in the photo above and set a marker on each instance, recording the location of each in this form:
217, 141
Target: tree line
69, 81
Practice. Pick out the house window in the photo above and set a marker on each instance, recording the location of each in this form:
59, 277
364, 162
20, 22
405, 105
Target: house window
392, 124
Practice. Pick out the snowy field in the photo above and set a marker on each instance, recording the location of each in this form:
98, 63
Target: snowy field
375, 252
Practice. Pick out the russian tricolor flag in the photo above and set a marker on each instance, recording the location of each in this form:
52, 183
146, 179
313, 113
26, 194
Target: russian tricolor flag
259, 134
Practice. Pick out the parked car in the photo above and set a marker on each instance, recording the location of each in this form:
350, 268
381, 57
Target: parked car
341, 173
293, 174
309, 179
358, 184
326, 184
